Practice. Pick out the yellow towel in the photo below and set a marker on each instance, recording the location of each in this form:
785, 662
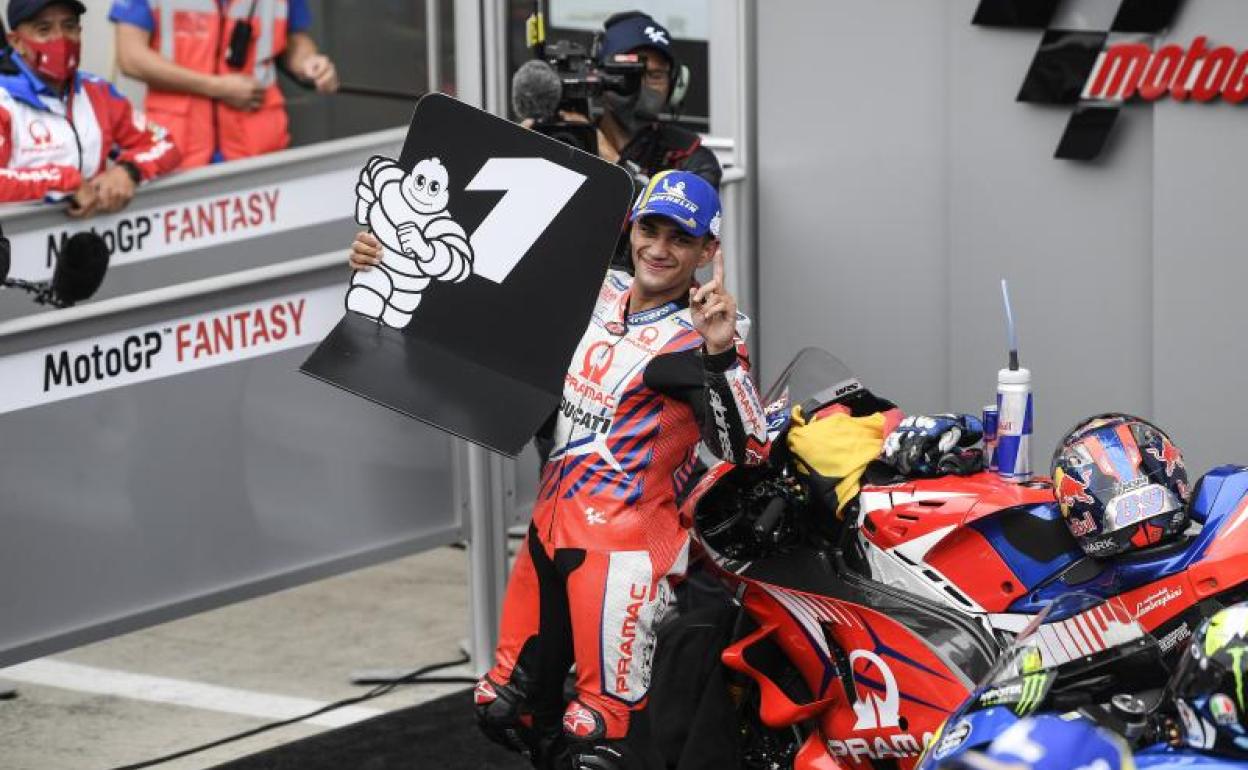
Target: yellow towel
837, 447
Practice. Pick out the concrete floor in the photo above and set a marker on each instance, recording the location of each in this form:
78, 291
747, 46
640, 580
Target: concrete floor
304, 642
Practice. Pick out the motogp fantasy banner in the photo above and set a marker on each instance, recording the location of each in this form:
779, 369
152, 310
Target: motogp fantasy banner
142, 233
495, 242
174, 346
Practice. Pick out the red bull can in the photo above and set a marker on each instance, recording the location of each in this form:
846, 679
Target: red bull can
990, 437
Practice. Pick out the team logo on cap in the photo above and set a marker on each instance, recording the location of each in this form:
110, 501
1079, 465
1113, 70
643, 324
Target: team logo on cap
677, 190
657, 35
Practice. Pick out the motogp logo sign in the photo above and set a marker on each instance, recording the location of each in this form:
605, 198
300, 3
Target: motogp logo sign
1130, 70
1097, 71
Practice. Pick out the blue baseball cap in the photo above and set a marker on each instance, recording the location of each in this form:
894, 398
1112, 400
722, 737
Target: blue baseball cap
25, 10
628, 31
683, 197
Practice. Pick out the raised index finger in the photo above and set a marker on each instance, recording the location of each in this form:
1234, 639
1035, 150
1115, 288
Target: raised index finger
717, 266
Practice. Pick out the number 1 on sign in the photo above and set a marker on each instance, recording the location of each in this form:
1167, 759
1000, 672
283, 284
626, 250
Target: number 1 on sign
536, 190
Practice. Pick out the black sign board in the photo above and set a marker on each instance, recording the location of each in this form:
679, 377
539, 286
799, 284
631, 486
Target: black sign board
497, 239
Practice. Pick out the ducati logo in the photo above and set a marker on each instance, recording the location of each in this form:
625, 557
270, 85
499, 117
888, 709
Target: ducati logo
873, 711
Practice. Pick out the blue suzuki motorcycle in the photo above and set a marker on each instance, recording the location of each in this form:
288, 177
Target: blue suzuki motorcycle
1121, 689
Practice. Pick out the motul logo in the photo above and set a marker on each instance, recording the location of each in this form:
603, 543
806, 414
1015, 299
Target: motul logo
1130, 70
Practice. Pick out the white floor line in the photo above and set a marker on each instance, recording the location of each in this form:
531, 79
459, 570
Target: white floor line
49, 672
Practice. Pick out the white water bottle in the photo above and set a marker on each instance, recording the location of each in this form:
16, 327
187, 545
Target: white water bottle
1013, 449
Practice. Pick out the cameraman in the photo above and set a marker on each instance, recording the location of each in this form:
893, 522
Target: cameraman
629, 130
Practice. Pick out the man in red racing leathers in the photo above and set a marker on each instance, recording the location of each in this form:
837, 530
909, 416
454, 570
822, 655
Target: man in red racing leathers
661, 366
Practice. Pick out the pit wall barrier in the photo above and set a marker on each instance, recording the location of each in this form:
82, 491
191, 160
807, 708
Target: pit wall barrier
160, 454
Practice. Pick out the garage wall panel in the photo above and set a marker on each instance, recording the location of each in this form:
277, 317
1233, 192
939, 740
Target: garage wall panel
900, 181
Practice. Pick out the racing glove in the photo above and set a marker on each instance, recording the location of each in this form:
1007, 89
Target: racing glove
935, 445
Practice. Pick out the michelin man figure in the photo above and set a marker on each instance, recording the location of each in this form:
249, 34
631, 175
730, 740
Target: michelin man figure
407, 212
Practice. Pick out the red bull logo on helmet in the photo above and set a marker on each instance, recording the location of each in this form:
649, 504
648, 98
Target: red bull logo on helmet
1070, 489
1168, 454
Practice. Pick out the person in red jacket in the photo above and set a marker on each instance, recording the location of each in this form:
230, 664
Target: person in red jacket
64, 133
211, 70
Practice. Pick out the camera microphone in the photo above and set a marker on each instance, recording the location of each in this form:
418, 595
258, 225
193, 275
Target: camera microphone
80, 269
536, 90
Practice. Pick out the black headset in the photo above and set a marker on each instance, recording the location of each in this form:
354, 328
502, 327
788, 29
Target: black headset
678, 80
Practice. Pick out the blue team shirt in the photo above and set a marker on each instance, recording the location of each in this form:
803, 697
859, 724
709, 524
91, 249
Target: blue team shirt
139, 13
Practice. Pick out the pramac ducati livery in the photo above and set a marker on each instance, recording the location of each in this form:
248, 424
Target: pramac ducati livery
595, 574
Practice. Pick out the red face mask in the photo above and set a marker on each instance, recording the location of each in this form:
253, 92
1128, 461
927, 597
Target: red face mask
56, 59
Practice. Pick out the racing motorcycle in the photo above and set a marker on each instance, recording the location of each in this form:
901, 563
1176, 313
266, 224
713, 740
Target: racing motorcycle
857, 637
1120, 689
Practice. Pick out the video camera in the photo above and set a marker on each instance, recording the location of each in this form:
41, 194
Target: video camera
568, 78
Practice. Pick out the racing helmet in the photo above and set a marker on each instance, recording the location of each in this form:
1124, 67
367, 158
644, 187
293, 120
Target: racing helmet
1209, 684
1121, 484
1049, 742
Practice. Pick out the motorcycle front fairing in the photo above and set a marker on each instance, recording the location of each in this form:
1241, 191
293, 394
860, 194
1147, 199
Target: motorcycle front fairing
1162, 756
1029, 678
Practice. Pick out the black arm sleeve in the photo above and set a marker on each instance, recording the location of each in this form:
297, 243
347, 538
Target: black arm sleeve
722, 396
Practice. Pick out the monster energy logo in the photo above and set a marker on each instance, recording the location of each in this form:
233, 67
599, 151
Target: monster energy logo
1035, 686
1025, 696
1237, 655
1035, 681
997, 696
